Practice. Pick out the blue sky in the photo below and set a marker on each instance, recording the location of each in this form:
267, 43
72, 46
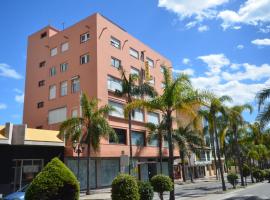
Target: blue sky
224, 45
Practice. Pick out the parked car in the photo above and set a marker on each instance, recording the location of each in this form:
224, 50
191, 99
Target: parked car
19, 195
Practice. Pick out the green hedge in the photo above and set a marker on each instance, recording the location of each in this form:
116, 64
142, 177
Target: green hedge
146, 190
54, 182
124, 187
232, 179
161, 184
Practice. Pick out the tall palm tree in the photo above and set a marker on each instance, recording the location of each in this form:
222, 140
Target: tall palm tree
216, 105
157, 132
90, 127
178, 94
132, 87
236, 120
264, 106
187, 139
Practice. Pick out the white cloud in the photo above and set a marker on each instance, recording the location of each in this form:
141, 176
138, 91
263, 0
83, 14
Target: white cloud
186, 61
237, 27
7, 71
215, 62
252, 12
3, 106
19, 97
187, 71
203, 28
261, 42
192, 8
240, 46
191, 24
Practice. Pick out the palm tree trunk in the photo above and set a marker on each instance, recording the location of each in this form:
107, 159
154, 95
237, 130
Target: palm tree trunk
183, 165
171, 157
214, 153
160, 154
238, 155
130, 144
88, 169
251, 173
218, 154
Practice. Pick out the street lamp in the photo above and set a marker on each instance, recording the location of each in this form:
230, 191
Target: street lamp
77, 148
189, 163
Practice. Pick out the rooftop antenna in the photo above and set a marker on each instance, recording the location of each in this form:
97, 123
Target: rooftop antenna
63, 25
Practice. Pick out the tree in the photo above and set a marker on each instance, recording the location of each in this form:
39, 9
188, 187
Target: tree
157, 132
161, 184
236, 120
216, 105
89, 128
187, 138
178, 94
133, 86
264, 106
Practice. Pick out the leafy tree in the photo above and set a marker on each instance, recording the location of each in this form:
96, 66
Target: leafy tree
161, 184
246, 172
233, 179
264, 106
90, 127
132, 87
54, 182
178, 94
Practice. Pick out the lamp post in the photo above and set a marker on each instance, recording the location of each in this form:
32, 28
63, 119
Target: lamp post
189, 163
77, 148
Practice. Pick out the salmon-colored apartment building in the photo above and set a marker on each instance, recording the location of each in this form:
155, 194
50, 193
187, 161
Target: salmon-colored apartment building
86, 58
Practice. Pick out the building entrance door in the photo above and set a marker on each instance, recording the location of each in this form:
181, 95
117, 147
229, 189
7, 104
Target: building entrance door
24, 171
152, 170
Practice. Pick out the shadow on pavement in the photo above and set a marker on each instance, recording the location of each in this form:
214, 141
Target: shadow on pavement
245, 198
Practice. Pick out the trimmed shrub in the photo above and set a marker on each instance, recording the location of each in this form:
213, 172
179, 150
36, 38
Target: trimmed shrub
161, 184
232, 179
246, 171
146, 190
258, 175
124, 187
54, 182
267, 175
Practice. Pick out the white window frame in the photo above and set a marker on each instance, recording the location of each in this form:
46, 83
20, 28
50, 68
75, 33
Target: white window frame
64, 46
114, 84
150, 62
63, 67
114, 60
74, 112
138, 115
53, 51
52, 92
57, 115
119, 110
153, 117
84, 37
73, 88
134, 53
52, 71
84, 59
63, 88
135, 71
115, 42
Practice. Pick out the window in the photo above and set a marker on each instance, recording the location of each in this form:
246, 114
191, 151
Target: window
150, 62
118, 109
152, 80
137, 115
115, 42
134, 53
64, 46
114, 84
162, 69
142, 56
41, 83
57, 115
52, 92
153, 142
52, 71
115, 62
40, 104
135, 71
137, 138
63, 67
84, 59
162, 85
43, 35
54, 51
84, 37
121, 134
75, 84
42, 64
153, 117
74, 113
64, 88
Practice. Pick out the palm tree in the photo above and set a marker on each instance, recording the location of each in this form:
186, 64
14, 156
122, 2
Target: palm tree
178, 94
157, 132
187, 139
90, 127
264, 106
216, 105
132, 87
235, 121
